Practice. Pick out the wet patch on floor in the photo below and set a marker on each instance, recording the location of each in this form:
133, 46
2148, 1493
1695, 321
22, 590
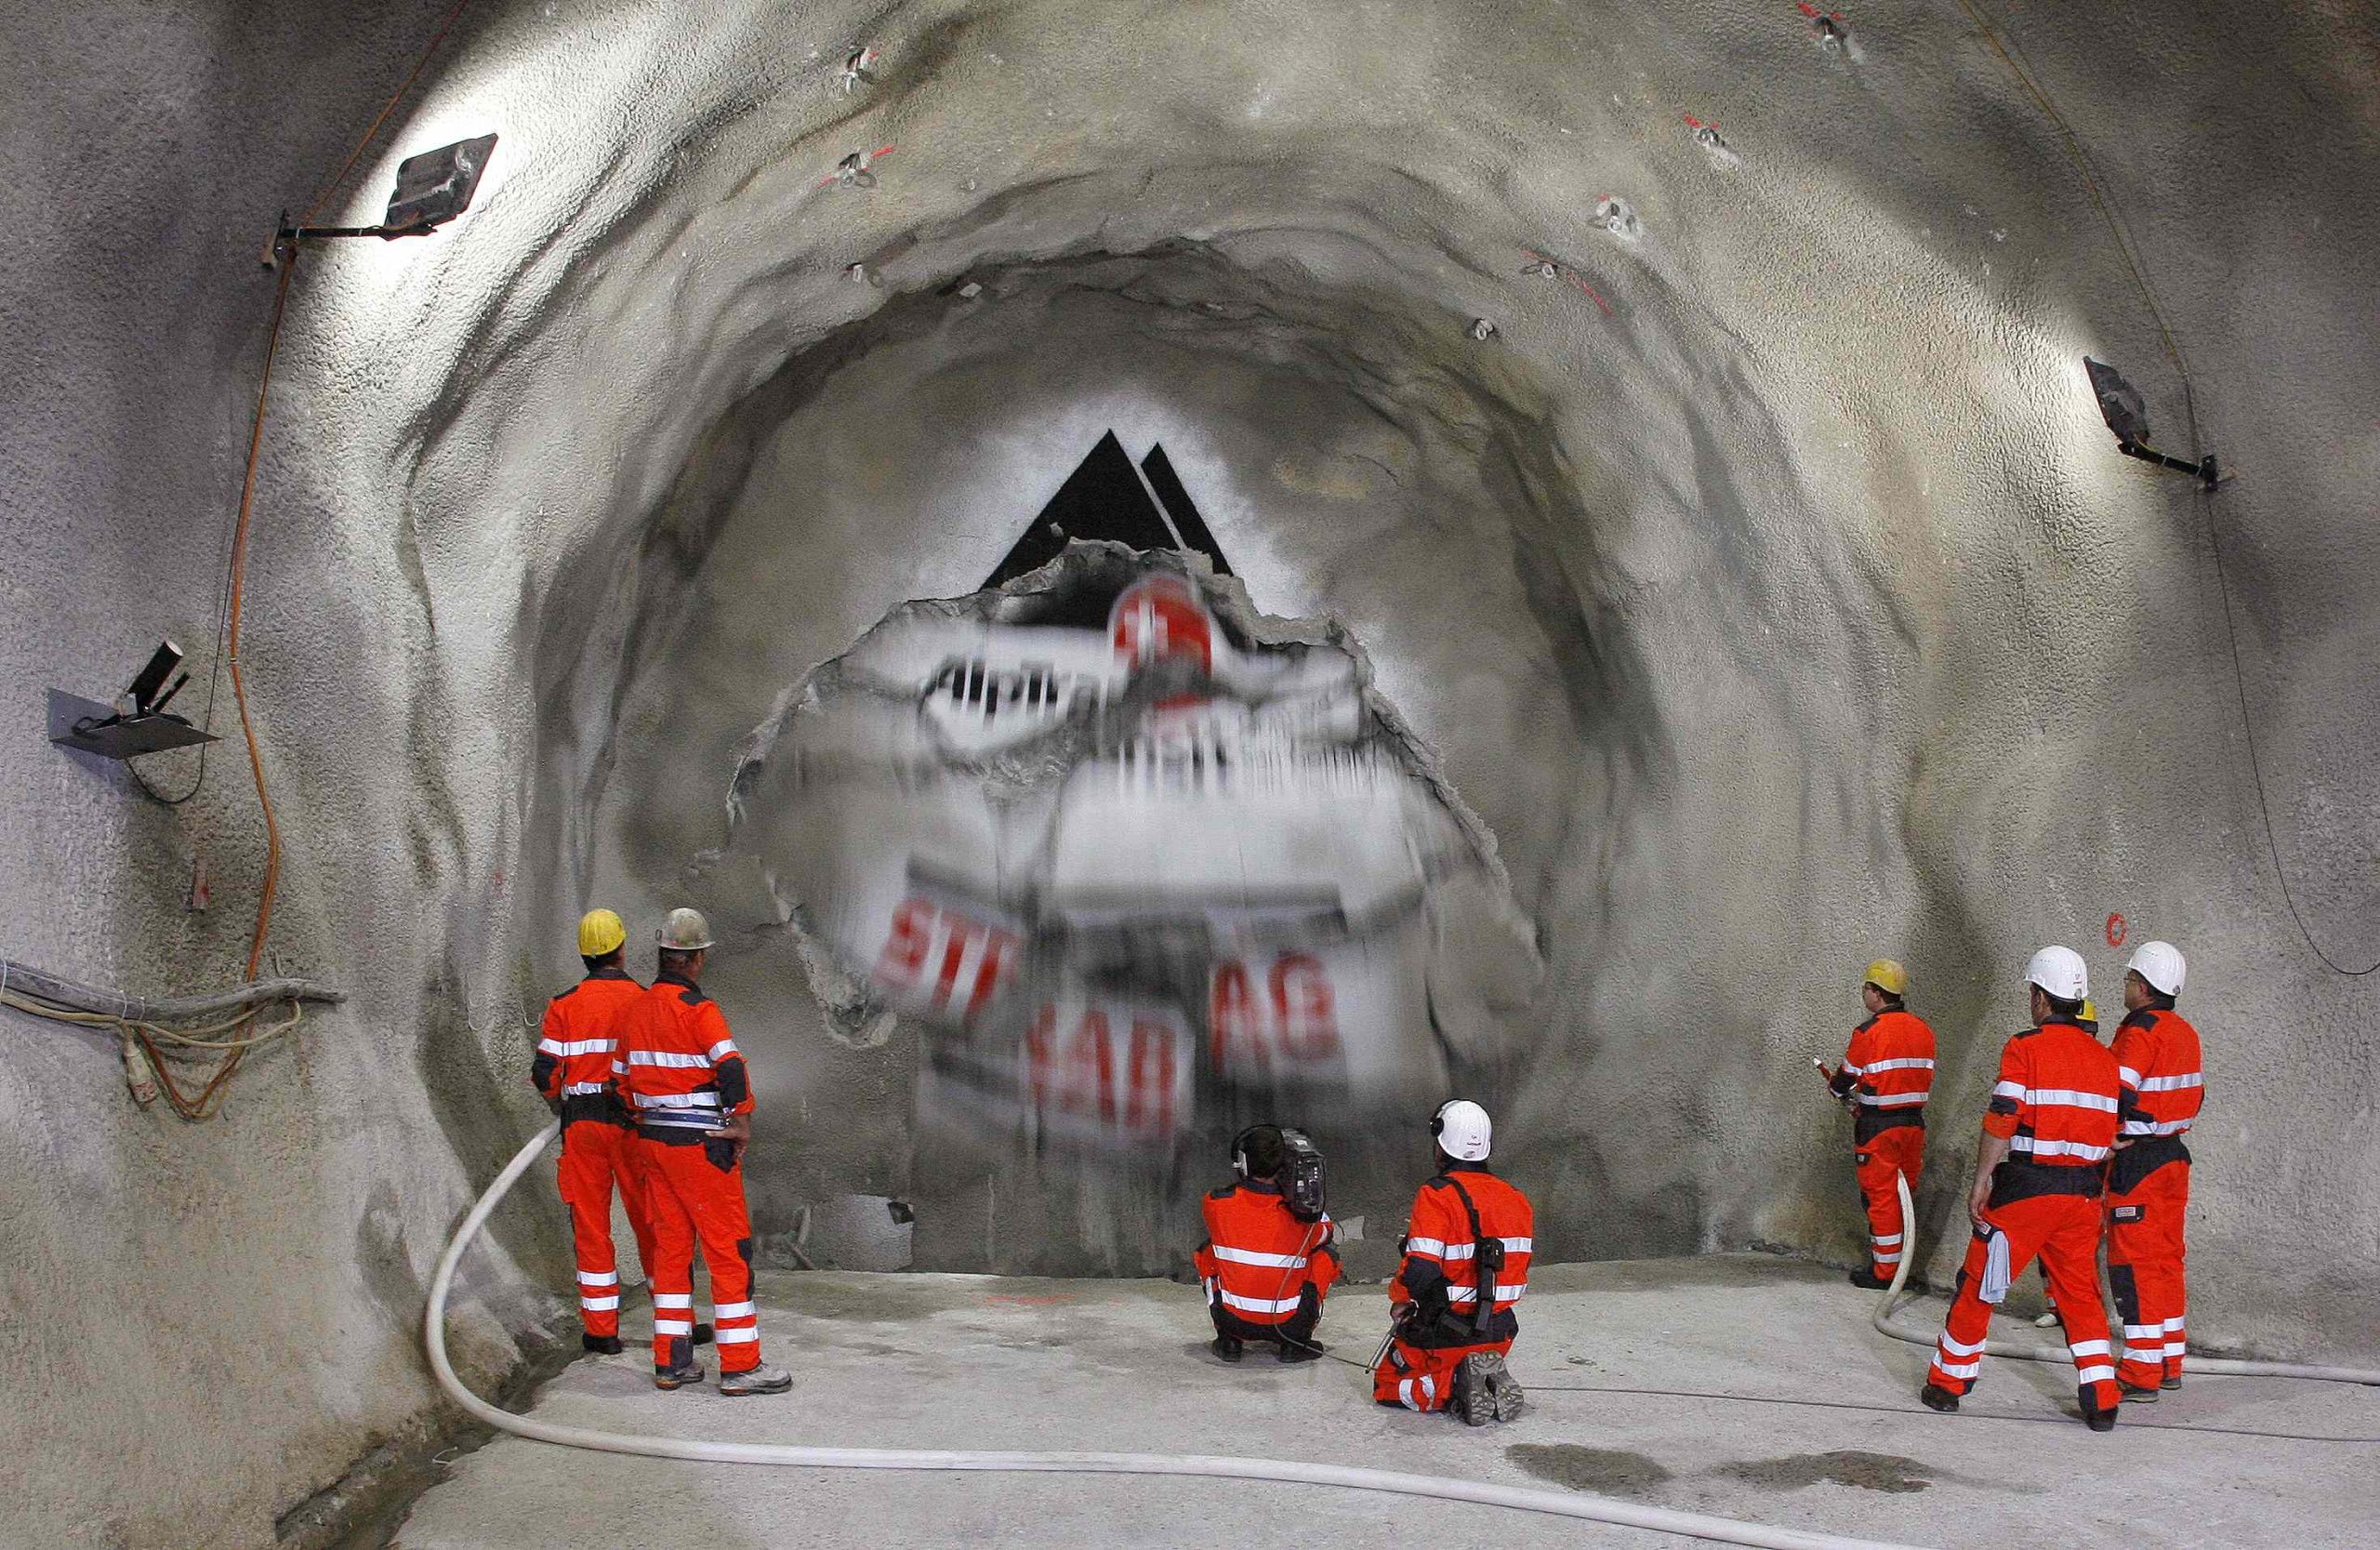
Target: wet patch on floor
1606, 1471
1885, 1472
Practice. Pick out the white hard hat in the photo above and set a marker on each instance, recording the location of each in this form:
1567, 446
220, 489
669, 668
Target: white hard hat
2059, 971
2161, 964
1462, 1130
685, 931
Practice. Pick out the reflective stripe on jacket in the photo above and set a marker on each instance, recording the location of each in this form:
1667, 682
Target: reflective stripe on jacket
1258, 1257
2056, 1099
578, 1044
679, 1067
2158, 1065
1440, 1264
1889, 1063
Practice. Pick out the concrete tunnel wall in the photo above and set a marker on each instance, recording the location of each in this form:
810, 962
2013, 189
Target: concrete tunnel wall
1796, 612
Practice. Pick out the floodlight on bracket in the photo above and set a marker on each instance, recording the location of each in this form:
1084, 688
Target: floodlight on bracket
2127, 416
137, 723
432, 189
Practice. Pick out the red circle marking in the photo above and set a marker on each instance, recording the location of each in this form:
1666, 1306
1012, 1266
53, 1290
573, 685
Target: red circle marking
2115, 931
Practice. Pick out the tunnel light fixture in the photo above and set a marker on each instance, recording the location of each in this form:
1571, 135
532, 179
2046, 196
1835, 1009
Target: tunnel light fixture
2127, 416
137, 723
432, 189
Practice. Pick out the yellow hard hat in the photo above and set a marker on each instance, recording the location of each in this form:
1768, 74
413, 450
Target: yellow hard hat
600, 932
2089, 1015
1888, 977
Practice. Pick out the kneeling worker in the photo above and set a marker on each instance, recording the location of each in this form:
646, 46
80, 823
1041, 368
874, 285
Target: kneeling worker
1269, 1258
692, 1099
1467, 1249
2048, 1132
1885, 1078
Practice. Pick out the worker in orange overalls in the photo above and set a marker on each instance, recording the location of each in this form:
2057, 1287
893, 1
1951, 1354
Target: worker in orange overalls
685, 1082
577, 1056
2048, 1132
1266, 1268
2088, 1021
2148, 1183
1467, 1249
1886, 1075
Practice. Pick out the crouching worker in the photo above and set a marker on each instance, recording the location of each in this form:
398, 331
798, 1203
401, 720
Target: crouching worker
1466, 1264
1269, 1258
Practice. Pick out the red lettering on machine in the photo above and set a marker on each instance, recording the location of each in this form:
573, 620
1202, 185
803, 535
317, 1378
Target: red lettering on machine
933, 950
1303, 1021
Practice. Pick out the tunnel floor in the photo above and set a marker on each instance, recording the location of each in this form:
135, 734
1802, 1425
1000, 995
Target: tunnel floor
976, 1362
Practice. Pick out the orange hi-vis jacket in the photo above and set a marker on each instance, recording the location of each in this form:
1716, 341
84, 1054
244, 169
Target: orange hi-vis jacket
578, 1047
2055, 1106
2157, 1060
1440, 1271
1888, 1071
682, 1071
1258, 1258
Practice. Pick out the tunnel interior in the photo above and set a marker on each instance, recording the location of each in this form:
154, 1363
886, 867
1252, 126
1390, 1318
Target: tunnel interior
1724, 511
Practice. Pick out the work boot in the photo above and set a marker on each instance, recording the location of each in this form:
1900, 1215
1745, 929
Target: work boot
1474, 1397
2099, 1420
601, 1344
1227, 1346
2133, 1396
2172, 1381
1868, 1281
677, 1377
704, 1334
1505, 1390
763, 1379
1935, 1398
1303, 1350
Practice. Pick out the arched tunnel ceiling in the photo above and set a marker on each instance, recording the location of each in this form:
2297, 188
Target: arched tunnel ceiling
1766, 572
1764, 580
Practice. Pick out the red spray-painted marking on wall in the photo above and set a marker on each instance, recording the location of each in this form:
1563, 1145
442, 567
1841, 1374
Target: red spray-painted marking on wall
1572, 275
2117, 930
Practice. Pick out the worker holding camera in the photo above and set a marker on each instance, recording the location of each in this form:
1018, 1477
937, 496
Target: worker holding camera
1269, 1258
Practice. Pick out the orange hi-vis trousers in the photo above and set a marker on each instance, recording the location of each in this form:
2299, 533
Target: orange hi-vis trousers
2145, 1271
1421, 1377
2064, 1231
694, 1202
1885, 1156
597, 1157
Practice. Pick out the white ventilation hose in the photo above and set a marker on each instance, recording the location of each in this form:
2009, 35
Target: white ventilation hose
2218, 1366
1559, 1503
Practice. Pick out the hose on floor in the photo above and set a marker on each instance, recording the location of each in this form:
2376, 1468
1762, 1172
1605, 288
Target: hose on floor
1560, 1503
1886, 1323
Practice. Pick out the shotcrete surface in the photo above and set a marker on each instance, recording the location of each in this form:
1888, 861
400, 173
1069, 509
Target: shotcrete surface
1794, 610
973, 1361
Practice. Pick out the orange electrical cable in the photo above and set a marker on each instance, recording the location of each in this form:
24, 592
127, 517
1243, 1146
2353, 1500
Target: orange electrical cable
210, 1098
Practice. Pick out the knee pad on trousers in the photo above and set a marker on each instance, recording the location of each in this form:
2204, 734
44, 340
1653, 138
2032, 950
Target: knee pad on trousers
743, 1250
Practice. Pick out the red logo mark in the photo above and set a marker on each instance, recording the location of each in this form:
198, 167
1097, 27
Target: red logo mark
2116, 930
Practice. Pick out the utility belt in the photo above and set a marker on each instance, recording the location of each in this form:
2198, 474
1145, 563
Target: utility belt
1434, 1326
2134, 1163
602, 1107
718, 1150
2019, 1179
1870, 1122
